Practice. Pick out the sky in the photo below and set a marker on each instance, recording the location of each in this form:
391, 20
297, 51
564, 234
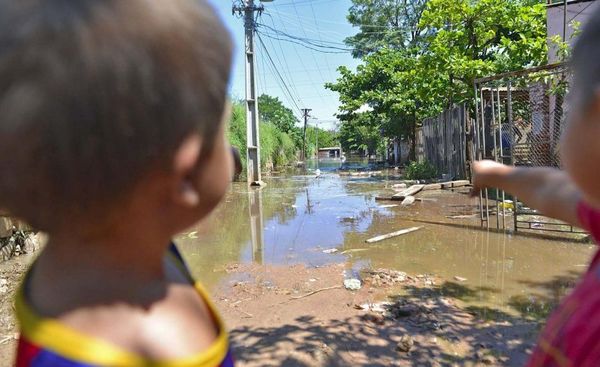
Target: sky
303, 70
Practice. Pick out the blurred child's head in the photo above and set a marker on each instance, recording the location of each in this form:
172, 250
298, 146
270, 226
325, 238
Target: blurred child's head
107, 104
580, 149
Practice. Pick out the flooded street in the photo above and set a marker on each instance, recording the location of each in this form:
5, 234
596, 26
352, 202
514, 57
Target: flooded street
276, 258
303, 216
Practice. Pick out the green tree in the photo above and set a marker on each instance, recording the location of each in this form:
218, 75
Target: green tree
462, 40
272, 110
385, 24
279, 141
326, 138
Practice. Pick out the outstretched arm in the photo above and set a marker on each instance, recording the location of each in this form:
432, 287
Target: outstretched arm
548, 190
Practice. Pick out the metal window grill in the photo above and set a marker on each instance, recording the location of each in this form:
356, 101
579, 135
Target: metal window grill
519, 119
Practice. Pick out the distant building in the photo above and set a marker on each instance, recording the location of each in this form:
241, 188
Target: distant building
330, 153
577, 11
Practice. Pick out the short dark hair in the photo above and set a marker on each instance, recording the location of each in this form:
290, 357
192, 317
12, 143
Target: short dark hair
586, 54
94, 94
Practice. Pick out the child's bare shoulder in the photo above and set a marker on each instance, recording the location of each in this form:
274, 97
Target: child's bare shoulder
181, 325
177, 324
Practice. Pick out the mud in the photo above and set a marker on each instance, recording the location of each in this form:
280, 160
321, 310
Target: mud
298, 316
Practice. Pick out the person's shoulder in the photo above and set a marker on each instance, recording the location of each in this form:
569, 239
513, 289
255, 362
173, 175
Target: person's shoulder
180, 326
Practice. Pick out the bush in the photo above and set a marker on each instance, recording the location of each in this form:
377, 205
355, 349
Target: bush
277, 148
420, 171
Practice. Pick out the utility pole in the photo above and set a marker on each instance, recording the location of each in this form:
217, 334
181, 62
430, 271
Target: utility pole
317, 133
305, 114
246, 8
565, 21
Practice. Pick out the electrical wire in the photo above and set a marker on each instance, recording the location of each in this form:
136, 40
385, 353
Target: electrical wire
302, 44
284, 86
288, 76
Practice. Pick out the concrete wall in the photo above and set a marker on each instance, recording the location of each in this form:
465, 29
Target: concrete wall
577, 11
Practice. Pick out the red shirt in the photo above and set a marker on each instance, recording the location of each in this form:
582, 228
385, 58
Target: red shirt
572, 334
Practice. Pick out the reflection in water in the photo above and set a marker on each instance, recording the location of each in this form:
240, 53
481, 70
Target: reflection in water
295, 218
255, 209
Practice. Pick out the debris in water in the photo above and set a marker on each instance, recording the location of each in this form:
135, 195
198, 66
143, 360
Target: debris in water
400, 186
352, 284
330, 251
352, 250
350, 219
460, 279
468, 216
409, 200
411, 191
393, 234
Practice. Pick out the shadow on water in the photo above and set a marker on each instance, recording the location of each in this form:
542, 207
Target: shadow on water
534, 235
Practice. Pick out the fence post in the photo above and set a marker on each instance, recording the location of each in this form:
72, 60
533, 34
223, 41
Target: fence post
512, 151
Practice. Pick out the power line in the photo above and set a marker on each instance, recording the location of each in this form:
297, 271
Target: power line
278, 74
311, 41
294, 3
306, 24
297, 53
312, 8
301, 44
308, 19
285, 64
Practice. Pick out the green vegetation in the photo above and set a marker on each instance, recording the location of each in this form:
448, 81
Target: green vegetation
280, 135
420, 171
422, 57
326, 138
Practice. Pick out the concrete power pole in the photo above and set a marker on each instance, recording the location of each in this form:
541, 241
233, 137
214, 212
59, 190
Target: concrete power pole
305, 114
246, 8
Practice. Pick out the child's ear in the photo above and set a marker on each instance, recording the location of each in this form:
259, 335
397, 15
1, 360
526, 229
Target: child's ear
185, 166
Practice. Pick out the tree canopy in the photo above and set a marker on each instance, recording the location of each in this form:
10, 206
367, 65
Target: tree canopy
273, 111
385, 23
459, 41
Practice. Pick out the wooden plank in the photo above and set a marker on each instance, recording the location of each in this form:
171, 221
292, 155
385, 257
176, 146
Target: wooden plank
434, 186
411, 191
393, 234
455, 184
409, 200
447, 185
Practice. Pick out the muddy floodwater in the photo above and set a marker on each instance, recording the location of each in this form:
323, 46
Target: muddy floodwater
299, 219
275, 259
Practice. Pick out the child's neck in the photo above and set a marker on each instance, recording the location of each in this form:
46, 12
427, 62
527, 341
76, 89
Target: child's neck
73, 271
137, 253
